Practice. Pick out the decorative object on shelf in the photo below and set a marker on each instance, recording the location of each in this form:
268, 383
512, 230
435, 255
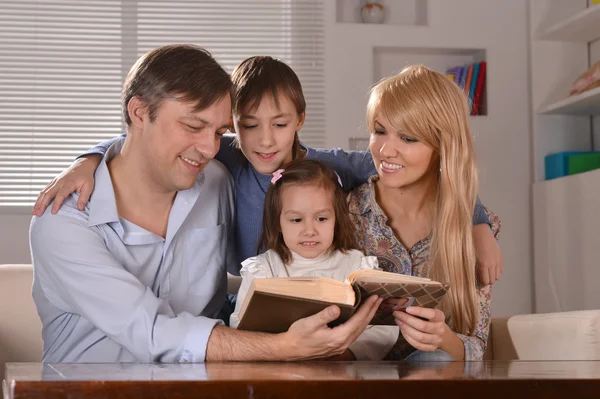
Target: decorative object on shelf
569, 163
372, 12
587, 81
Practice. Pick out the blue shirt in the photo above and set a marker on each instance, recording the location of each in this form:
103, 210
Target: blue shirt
353, 167
108, 290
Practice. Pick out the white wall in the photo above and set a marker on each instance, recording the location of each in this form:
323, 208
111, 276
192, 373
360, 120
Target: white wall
501, 138
14, 235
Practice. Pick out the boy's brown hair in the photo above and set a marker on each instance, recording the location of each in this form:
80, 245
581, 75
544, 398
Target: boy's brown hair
308, 172
179, 71
259, 75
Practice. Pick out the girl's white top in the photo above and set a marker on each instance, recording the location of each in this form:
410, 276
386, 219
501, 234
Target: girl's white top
374, 343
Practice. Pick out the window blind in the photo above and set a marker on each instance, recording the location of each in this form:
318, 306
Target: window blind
62, 64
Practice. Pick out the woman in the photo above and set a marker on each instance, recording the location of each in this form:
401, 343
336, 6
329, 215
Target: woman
415, 214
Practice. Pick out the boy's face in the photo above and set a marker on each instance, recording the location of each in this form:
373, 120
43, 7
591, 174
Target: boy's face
180, 142
307, 219
266, 134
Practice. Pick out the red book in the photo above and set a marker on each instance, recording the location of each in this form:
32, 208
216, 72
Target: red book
476, 109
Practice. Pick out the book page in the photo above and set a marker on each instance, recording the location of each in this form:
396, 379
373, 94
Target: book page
379, 276
314, 288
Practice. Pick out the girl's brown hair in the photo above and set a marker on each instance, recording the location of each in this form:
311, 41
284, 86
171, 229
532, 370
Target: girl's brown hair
256, 76
307, 172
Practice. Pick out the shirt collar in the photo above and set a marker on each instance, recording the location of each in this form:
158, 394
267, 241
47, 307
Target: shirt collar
103, 205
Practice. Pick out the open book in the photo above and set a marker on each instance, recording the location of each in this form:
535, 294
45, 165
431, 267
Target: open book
273, 304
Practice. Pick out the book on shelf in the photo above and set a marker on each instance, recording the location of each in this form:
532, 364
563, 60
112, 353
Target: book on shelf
274, 304
471, 79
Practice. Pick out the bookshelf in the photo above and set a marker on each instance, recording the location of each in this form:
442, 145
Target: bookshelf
583, 104
397, 12
581, 27
565, 210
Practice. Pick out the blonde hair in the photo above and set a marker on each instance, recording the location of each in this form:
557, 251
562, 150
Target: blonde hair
430, 107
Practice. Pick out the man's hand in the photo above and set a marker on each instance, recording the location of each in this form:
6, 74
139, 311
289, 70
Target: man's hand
77, 177
311, 338
487, 252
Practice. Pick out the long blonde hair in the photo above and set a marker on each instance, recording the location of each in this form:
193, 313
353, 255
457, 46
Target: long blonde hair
427, 105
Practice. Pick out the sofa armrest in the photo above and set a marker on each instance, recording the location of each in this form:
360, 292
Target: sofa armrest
557, 336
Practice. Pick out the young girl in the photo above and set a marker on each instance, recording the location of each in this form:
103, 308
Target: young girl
308, 232
415, 214
268, 110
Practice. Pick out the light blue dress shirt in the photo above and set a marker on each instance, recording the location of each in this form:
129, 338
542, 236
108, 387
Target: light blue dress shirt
108, 290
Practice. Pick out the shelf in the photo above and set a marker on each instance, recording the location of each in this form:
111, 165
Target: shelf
397, 12
387, 61
584, 104
581, 27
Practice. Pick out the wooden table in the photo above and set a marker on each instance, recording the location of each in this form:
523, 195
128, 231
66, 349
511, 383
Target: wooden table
312, 380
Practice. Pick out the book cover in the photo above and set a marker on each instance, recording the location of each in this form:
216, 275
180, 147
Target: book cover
275, 312
478, 96
463, 77
467, 85
473, 84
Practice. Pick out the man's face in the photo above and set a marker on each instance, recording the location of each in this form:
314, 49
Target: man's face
180, 142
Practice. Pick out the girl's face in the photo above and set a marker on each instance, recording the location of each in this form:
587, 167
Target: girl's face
266, 134
401, 159
307, 219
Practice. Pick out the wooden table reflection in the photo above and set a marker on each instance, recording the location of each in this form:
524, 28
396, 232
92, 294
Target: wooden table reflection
498, 379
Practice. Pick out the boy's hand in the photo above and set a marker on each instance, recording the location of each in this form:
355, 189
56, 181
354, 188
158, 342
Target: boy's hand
487, 252
77, 177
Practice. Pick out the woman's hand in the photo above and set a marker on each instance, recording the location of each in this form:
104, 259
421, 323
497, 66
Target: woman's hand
487, 252
78, 177
425, 335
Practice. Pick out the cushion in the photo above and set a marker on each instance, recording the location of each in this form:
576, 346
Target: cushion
557, 336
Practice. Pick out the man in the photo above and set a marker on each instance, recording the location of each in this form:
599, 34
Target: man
140, 274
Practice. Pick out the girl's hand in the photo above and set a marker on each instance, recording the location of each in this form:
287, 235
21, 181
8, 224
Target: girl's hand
425, 335
78, 177
487, 252
392, 304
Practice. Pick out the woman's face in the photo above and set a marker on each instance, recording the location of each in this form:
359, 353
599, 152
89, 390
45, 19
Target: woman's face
401, 159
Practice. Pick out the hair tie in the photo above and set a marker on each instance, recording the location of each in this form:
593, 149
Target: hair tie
277, 175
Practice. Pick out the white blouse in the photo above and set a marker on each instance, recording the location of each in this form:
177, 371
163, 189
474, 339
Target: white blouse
374, 343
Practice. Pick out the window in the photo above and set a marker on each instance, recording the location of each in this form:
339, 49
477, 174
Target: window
62, 64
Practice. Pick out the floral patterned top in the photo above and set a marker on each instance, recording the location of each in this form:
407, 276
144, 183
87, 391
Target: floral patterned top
376, 238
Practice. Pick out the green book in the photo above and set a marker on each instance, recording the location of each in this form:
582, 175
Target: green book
583, 163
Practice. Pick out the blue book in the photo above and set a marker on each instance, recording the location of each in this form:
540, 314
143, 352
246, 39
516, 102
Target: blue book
473, 82
463, 76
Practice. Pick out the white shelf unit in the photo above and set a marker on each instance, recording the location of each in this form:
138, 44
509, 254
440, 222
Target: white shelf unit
566, 249
583, 104
565, 210
581, 27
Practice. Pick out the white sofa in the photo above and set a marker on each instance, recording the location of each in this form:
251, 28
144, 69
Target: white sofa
20, 326
551, 336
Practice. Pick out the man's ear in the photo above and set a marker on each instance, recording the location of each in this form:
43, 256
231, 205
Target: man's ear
301, 119
138, 111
